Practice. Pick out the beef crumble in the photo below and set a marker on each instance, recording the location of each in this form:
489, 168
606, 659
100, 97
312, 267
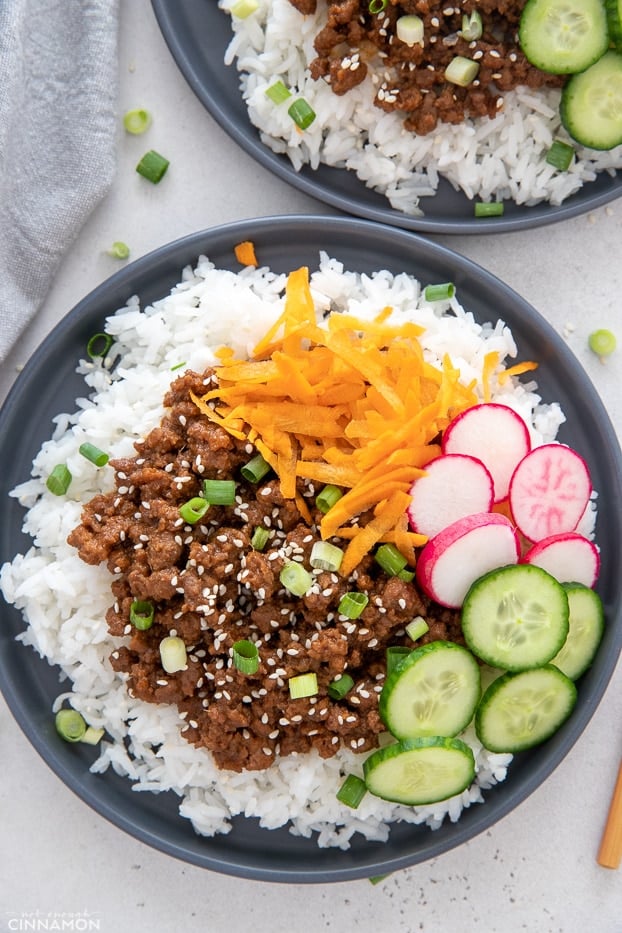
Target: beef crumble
411, 79
210, 587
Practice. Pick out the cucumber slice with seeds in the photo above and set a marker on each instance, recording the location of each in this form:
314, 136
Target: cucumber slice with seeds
587, 624
591, 104
419, 771
563, 36
521, 710
515, 618
433, 691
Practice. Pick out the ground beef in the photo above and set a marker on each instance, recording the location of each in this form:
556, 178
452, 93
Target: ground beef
210, 588
411, 79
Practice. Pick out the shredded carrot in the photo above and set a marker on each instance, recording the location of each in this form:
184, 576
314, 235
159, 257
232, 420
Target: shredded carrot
517, 370
491, 362
245, 253
349, 402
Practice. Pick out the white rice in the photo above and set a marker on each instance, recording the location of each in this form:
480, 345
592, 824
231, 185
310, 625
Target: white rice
500, 159
64, 601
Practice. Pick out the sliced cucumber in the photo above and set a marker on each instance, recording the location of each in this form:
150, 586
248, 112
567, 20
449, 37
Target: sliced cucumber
521, 710
587, 624
614, 21
420, 771
515, 618
563, 36
433, 691
591, 104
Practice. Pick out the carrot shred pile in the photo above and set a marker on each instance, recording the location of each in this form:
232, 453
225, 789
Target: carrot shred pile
351, 403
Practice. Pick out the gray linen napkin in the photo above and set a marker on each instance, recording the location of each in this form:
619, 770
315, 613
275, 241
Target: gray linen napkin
58, 94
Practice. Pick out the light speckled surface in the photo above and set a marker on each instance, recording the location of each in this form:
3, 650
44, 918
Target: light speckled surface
534, 871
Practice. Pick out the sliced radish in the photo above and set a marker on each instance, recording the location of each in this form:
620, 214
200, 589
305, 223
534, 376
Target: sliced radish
454, 558
493, 433
568, 557
455, 485
549, 491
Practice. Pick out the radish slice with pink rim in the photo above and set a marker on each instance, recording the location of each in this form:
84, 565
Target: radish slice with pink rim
454, 558
455, 485
494, 434
568, 557
549, 491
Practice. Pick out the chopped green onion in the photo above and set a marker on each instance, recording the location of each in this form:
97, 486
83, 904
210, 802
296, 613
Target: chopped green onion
119, 250
93, 347
59, 479
94, 454
277, 92
489, 208
219, 491
173, 654
246, 656
417, 628
472, 26
141, 614
194, 509
244, 8
409, 30
560, 155
153, 166
352, 791
92, 736
255, 469
406, 575
295, 578
352, 604
303, 685
70, 725
439, 292
461, 71
260, 538
327, 497
136, 121
338, 688
326, 556
390, 559
395, 656
177, 366
301, 113
376, 879
602, 342
377, 6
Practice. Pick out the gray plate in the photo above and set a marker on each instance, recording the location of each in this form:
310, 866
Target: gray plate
49, 385
197, 34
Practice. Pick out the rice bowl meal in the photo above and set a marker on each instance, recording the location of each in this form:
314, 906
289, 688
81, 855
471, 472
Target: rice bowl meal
248, 672
326, 84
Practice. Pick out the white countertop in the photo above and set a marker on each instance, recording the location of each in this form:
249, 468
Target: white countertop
534, 871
